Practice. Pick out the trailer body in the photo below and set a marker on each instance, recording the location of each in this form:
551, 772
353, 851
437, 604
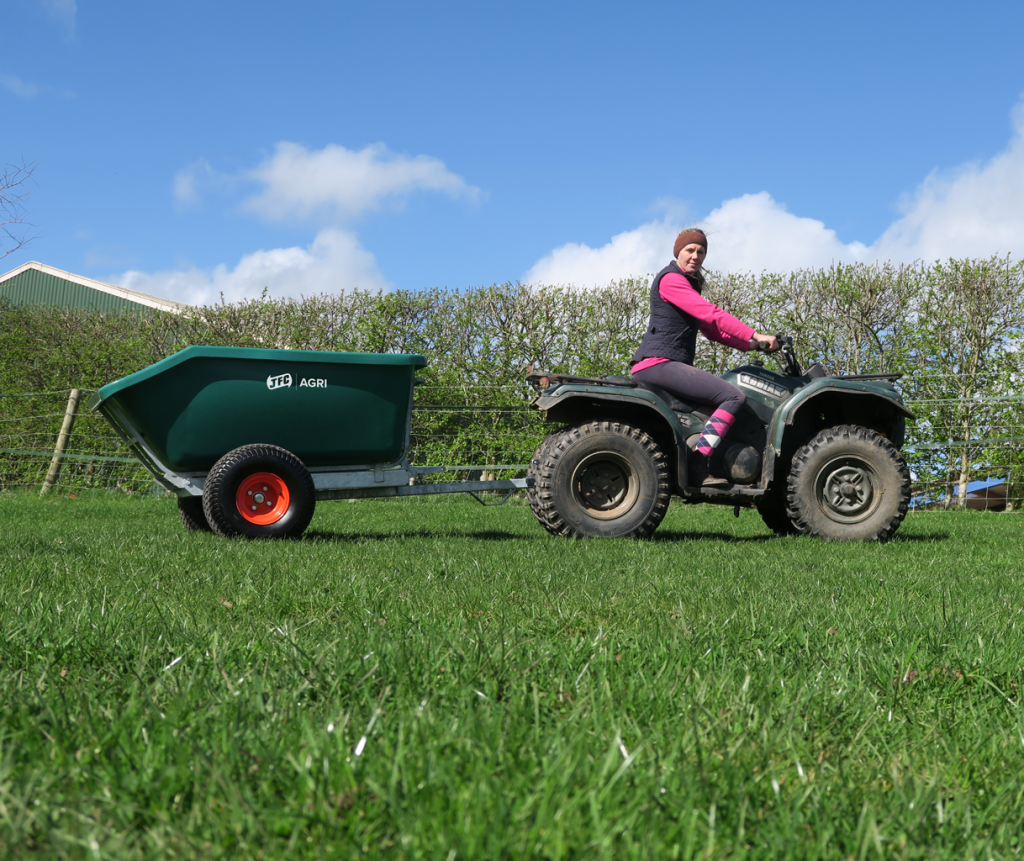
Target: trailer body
195, 417
328, 408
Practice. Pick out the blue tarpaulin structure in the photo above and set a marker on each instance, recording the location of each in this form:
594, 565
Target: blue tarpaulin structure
986, 495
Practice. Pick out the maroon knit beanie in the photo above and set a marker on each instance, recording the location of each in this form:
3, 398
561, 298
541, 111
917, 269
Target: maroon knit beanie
695, 236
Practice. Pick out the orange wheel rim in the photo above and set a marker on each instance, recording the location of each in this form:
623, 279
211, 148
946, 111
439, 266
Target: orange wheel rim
262, 498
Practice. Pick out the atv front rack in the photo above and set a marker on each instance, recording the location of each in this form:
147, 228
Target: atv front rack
889, 378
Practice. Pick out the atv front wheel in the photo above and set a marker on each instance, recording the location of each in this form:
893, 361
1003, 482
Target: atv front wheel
849, 483
772, 508
600, 479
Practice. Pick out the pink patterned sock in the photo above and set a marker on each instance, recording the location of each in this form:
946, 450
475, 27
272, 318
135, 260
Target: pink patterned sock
714, 431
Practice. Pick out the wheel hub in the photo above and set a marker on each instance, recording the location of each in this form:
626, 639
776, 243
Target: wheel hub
262, 498
603, 485
847, 489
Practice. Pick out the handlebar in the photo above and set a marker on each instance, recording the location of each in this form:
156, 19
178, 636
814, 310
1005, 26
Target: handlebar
790, 366
784, 347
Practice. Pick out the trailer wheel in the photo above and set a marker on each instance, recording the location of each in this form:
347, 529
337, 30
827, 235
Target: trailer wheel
848, 484
259, 491
600, 479
190, 510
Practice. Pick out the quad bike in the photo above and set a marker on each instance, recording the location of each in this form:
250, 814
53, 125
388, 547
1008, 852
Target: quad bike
813, 453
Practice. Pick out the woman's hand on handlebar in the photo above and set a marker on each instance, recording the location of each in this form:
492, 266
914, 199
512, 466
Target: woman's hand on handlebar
764, 343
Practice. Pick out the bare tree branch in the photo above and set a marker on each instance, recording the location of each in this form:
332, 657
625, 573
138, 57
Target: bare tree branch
14, 228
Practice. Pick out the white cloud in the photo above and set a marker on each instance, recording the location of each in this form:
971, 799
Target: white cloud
335, 184
17, 87
28, 90
335, 260
186, 181
756, 233
62, 12
634, 252
339, 183
973, 211
748, 233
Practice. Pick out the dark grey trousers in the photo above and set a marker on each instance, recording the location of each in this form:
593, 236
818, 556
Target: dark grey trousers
693, 384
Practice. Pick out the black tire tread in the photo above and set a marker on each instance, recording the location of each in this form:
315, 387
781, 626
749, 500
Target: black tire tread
841, 435
533, 494
772, 508
553, 449
190, 510
216, 488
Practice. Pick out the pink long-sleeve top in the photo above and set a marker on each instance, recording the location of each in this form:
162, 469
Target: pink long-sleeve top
715, 324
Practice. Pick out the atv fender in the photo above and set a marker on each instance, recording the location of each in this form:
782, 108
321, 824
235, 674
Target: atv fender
637, 407
846, 401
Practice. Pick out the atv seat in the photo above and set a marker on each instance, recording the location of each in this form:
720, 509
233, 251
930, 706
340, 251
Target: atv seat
673, 401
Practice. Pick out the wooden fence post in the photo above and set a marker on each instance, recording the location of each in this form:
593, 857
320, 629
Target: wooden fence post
62, 442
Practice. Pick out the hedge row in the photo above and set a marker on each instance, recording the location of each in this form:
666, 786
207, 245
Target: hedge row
953, 328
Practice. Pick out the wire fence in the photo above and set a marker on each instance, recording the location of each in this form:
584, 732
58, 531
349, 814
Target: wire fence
958, 449
95, 458
469, 440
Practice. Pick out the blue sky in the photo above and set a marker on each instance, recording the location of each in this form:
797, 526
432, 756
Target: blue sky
194, 148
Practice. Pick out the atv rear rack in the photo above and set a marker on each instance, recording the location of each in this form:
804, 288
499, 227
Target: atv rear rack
542, 380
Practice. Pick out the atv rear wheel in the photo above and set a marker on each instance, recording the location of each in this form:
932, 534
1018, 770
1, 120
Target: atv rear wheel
533, 493
849, 483
600, 479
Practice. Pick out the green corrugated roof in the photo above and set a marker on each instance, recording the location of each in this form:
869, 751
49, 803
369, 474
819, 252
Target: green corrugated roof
37, 284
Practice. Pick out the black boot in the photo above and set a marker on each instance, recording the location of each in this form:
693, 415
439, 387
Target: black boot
699, 468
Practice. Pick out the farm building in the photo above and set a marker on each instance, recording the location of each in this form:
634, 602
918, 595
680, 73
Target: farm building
985, 495
38, 284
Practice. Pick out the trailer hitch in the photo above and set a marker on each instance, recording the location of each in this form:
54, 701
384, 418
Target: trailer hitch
502, 501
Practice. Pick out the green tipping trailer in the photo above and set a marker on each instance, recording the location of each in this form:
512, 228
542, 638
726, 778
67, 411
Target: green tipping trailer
248, 439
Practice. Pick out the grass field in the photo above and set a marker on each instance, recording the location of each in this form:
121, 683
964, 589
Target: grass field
434, 679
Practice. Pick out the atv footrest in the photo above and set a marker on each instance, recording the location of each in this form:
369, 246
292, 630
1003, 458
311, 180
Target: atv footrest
735, 491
